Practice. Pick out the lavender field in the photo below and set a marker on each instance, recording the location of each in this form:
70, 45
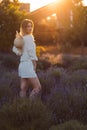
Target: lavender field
63, 103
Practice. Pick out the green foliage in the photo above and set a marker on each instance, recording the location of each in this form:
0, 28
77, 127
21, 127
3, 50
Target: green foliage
5, 93
9, 81
23, 114
48, 79
70, 125
9, 86
43, 64
10, 18
64, 93
73, 62
68, 101
79, 63
74, 29
10, 61
67, 60
59, 106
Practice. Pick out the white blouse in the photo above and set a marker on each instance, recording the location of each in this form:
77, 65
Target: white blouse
29, 49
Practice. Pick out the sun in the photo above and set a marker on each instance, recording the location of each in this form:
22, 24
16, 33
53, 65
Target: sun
85, 2
35, 4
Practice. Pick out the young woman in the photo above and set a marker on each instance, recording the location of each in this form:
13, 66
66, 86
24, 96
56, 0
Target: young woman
27, 66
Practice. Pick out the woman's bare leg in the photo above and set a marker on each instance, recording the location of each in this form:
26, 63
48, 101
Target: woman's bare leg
36, 87
24, 87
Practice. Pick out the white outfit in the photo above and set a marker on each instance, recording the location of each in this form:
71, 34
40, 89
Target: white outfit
26, 68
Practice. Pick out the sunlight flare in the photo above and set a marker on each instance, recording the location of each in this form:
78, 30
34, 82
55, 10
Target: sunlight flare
35, 4
85, 2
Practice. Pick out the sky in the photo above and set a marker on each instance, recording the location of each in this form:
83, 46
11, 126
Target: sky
35, 4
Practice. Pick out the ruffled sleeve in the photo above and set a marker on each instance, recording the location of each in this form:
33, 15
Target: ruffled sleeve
31, 48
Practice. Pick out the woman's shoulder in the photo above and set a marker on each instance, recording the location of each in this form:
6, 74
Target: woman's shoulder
28, 38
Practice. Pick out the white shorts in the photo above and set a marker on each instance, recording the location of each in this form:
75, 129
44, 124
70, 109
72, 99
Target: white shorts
26, 70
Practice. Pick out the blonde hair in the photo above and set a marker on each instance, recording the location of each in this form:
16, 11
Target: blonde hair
23, 26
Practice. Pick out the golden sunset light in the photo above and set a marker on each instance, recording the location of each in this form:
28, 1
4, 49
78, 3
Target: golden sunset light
35, 4
85, 2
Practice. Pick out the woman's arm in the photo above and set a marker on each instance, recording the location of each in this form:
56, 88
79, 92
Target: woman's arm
35, 64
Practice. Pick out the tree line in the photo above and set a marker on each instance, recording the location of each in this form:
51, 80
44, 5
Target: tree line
10, 18
75, 34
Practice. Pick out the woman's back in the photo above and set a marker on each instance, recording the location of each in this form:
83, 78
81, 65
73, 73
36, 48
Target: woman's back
29, 48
